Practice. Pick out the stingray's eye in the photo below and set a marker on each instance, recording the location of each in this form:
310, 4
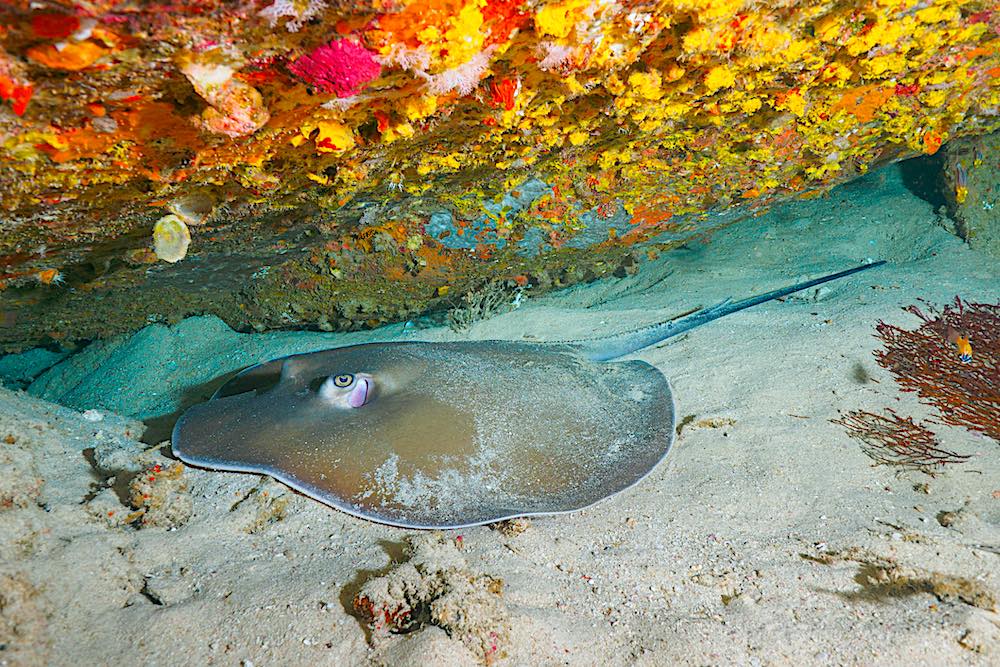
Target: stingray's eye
344, 380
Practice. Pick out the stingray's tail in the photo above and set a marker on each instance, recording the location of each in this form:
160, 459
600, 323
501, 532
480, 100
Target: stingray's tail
618, 345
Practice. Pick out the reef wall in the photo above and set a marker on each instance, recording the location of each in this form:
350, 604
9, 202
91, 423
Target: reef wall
972, 177
343, 164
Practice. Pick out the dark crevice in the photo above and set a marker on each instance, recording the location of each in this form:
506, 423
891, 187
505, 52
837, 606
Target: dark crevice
118, 481
923, 176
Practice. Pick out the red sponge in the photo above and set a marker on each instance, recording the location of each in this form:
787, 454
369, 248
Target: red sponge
341, 67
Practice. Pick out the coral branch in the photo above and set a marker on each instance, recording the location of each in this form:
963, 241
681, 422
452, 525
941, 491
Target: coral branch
897, 441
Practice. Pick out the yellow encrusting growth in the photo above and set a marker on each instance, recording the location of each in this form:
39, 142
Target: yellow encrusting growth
683, 105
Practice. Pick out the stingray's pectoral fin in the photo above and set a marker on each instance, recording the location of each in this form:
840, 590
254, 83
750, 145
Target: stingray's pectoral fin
247, 433
219, 434
291, 370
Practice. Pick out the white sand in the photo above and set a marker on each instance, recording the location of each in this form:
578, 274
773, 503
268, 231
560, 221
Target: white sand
714, 559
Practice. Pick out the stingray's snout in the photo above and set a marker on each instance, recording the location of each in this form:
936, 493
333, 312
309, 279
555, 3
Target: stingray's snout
348, 390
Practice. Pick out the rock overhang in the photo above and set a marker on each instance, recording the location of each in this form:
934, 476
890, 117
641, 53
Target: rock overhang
347, 165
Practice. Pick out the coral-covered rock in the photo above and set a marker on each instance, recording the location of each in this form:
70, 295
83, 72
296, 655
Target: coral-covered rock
473, 134
236, 108
160, 496
973, 190
436, 586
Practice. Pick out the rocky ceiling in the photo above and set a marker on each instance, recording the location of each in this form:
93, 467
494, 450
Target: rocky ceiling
335, 165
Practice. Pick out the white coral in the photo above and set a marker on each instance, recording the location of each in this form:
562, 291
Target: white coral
463, 78
299, 11
406, 58
554, 55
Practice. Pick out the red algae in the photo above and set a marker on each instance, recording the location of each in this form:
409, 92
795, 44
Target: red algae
54, 26
503, 92
505, 17
18, 93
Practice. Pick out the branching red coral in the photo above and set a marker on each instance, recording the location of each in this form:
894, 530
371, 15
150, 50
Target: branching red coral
897, 441
926, 361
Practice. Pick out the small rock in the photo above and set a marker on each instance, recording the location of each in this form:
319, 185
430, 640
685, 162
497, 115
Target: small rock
467, 605
160, 496
511, 527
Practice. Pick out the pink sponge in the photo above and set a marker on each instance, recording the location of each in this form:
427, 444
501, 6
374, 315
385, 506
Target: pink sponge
341, 67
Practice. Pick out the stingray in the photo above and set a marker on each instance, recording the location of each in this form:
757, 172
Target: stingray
454, 434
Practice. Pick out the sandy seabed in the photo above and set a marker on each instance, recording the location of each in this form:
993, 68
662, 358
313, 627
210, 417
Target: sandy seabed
767, 537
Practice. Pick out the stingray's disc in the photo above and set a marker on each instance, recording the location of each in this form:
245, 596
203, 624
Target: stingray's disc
453, 435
